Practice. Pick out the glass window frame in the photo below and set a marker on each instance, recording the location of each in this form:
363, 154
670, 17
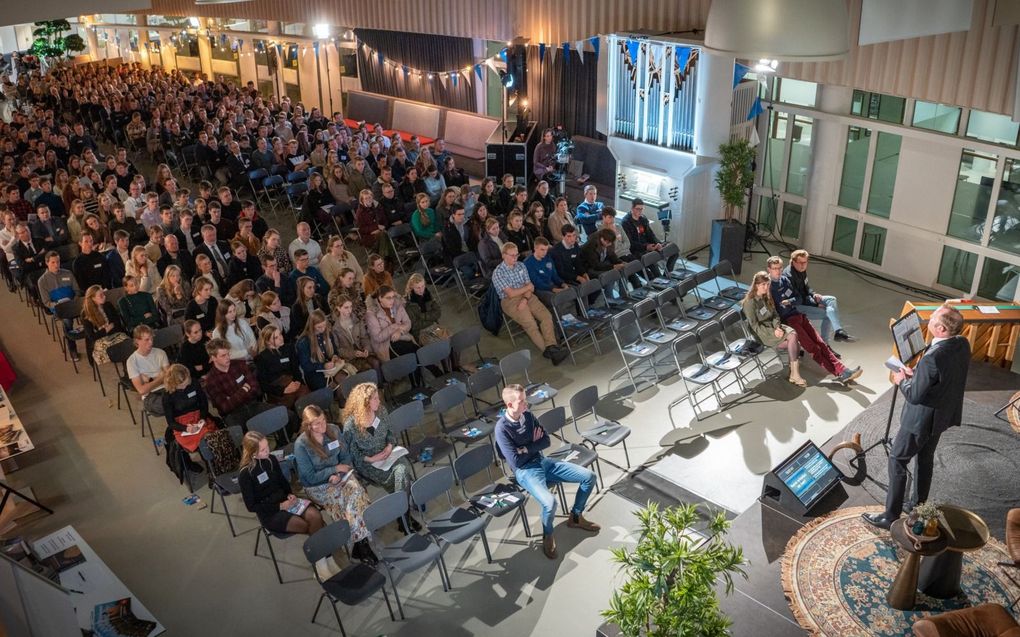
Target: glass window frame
937, 105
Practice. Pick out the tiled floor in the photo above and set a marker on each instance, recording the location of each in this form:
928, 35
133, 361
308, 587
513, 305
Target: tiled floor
101, 476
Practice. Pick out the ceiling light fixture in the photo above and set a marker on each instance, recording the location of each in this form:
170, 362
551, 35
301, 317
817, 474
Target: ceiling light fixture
787, 30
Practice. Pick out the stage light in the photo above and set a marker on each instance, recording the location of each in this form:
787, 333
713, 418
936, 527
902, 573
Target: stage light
321, 31
507, 79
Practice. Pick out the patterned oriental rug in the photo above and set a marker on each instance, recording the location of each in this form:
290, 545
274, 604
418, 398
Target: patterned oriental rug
837, 570
1013, 412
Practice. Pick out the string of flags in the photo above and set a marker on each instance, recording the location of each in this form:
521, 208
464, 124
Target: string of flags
684, 59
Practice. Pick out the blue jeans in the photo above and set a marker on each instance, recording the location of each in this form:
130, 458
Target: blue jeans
828, 312
535, 478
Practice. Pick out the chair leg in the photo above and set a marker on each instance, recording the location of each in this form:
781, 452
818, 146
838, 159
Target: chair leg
598, 469
390, 608
396, 594
226, 511
443, 573
485, 545
626, 453
258, 538
524, 521
336, 614
272, 554
317, 607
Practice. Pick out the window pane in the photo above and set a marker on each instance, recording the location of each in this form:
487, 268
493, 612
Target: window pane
872, 244
791, 220
224, 51
348, 63
796, 91
766, 214
957, 268
998, 280
936, 117
854, 165
843, 234
261, 52
973, 194
883, 174
776, 145
992, 127
1005, 234
800, 155
886, 108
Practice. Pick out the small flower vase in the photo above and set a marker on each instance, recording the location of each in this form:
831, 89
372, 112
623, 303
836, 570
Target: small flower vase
917, 527
931, 528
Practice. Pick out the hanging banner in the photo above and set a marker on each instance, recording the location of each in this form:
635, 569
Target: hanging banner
453, 78
382, 59
442, 79
579, 47
566, 51
756, 109
406, 69
739, 71
632, 50
541, 52
478, 71
467, 76
680, 56
595, 42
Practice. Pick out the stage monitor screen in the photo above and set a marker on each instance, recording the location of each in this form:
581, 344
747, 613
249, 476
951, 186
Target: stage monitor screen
808, 474
907, 336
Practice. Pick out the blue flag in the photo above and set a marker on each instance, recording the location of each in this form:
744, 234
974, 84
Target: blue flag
756, 109
454, 77
502, 55
739, 71
595, 42
406, 69
381, 58
541, 52
478, 71
682, 54
566, 50
632, 49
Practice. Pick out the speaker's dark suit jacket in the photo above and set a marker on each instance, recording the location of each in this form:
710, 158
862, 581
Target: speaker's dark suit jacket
935, 392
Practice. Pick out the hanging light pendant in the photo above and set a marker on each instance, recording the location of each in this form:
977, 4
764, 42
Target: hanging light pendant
789, 30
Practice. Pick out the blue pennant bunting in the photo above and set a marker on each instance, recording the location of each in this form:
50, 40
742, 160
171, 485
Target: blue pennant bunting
381, 58
502, 55
478, 71
756, 109
632, 49
541, 52
315, 46
739, 71
682, 54
406, 69
566, 50
595, 42
454, 77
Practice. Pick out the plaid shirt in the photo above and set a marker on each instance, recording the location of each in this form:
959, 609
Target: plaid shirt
504, 277
226, 389
21, 209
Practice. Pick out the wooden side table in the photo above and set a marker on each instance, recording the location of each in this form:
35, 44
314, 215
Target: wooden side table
940, 576
903, 594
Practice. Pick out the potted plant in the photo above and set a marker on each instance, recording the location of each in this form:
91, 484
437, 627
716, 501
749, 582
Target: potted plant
733, 178
672, 574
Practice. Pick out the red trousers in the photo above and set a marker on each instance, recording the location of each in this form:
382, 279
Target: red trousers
809, 339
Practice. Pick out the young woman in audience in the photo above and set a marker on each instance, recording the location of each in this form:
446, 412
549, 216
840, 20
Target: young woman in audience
324, 467
273, 313
266, 491
348, 286
763, 320
202, 307
411, 187
423, 310
319, 354
351, 333
318, 195
449, 197
377, 275
535, 223
487, 195
101, 238
193, 354
307, 302
518, 203
137, 307
187, 412
366, 427
241, 265
336, 259
390, 328
204, 270
337, 183
490, 247
423, 220
173, 295
243, 296
371, 221
101, 323
271, 246
517, 234
277, 368
557, 219
543, 196
144, 270
234, 330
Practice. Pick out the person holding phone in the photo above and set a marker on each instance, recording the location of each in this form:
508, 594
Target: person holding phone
266, 491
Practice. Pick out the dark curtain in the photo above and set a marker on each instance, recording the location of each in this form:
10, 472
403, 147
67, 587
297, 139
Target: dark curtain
417, 51
562, 90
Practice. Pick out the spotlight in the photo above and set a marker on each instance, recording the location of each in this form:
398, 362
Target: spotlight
766, 65
321, 31
507, 79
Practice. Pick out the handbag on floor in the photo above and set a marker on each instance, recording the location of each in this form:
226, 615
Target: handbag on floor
99, 348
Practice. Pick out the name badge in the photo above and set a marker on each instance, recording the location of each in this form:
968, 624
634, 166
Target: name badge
764, 311
332, 444
262, 477
97, 266
200, 316
240, 379
285, 359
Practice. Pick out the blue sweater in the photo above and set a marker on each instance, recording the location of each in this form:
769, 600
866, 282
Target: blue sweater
543, 273
782, 290
512, 435
312, 468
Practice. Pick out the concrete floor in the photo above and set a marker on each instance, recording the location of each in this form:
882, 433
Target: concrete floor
95, 470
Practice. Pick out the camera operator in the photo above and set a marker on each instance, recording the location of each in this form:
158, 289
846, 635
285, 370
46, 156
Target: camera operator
544, 160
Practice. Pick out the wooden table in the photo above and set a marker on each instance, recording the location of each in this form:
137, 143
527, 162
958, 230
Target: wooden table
993, 337
940, 575
903, 593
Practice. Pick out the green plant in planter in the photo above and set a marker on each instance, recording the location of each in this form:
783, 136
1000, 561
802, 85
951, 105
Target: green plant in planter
734, 176
672, 573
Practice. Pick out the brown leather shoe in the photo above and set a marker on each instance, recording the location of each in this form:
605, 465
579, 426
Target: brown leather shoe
549, 546
580, 523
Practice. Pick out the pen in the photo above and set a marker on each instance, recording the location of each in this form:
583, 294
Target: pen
74, 591
81, 576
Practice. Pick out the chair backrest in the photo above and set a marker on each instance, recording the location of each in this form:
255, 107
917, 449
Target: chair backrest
553, 420
448, 397
258, 173
297, 176
583, 402
114, 295
632, 268
367, 376
293, 190
650, 258
430, 248
704, 276
515, 364
589, 287
723, 268
269, 421
322, 398
433, 353
684, 346
667, 296
169, 336
729, 319
626, 328
670, 250
327, 540
70, 309
384, 510
431, 485
483, 380
610, 278
464, 260
399, 367
685, 286
708, 331
465, 339
396, 232
473, 461
272, 181
120, 352
565, 301
644, 307
406, 416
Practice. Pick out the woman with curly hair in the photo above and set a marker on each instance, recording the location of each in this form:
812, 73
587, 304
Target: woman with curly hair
366, 426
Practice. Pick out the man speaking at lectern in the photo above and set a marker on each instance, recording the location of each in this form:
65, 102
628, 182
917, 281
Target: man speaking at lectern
934, 394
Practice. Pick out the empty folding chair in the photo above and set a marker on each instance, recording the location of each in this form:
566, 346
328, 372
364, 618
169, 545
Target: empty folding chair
604, 432
713, 301
272, 190
406, 554
273, 423
433, 258
635, 351
573, 329
700, 312
671, 311
119, 354
401, 421
651, 327
553, 422
735, 292
614, 291
671, 255
435, 357
632, 273
349, 383
473, 286
296, 195
223, 480
321, 398
477, 384
463, 341
515, 365
462, 428
494, 499
351, 586
695, 374
715, 352
654, 266
404, 246
454, 524
404, 367
255, 179
297, 177
593, 306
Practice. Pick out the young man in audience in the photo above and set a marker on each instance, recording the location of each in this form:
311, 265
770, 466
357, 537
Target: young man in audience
566, 255
542, 272
303, 267
521, 441
57, 285
456, 233
810, 303
232, 386
589, 212
90, 266
639, 231
117, 259
518, 301
146, 368
49, 231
